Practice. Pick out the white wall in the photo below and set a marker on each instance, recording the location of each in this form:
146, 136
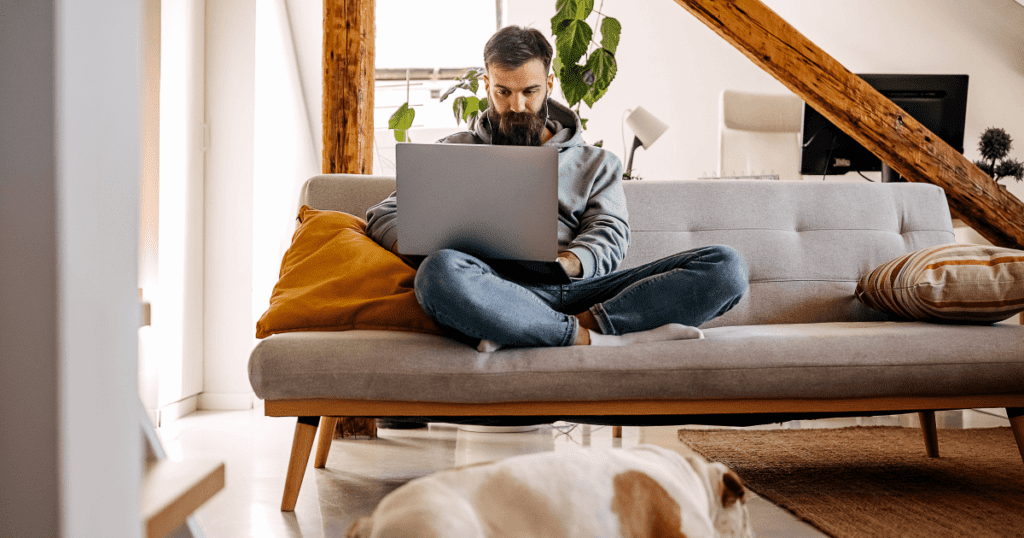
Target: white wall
229, 331
285, 153
173, 344
71, 457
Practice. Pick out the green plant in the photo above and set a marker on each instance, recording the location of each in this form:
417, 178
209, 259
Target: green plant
995, 146
584, 67
466, 107
401, 121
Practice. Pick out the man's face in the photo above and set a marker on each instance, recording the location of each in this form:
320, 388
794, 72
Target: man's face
515, 99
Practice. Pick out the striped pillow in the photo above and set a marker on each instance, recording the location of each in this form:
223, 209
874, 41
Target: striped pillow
950, 283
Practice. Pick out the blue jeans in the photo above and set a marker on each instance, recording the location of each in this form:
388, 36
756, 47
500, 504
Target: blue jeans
464, 293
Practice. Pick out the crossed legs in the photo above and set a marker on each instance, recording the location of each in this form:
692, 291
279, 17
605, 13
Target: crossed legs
680, 291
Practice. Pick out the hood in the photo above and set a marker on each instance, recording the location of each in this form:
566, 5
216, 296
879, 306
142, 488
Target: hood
561, 120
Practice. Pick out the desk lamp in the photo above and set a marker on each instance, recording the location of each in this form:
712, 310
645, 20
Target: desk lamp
646, 129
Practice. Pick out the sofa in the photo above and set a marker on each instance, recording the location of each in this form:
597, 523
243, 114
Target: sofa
798, 345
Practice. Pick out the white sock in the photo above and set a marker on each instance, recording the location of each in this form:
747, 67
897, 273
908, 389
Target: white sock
486, 346
672, 331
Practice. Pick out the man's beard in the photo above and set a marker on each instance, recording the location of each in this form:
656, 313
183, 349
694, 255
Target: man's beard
515, 128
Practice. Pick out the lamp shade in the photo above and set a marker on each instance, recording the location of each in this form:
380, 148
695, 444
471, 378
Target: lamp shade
645, 126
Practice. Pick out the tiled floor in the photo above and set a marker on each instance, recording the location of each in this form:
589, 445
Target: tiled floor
360, 472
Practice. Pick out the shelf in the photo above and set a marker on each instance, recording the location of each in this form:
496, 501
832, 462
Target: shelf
172, 490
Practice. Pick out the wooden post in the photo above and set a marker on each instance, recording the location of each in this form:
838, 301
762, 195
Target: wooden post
864, 114
349, 34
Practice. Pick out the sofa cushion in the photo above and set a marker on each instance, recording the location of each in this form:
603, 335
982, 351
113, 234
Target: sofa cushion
951, 283
820, 360
335, 278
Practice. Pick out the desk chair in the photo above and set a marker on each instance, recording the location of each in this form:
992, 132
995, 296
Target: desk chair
759, 134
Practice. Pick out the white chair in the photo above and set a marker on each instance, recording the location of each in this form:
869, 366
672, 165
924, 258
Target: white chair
759, 134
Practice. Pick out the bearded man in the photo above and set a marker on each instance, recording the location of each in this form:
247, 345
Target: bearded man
663, 300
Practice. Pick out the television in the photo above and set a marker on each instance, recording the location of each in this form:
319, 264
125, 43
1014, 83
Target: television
939, 102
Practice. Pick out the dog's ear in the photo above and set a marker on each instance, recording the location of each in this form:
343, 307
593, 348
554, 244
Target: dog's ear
732, 488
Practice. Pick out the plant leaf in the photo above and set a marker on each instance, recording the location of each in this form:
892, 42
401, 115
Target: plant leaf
474, 85
573, 86
583, 121
402, 118
584, 8
572, 41
448, 92
610, 30
483, 104
565, 10
472, 107
400, 135
556, 66
602, 63
458, 105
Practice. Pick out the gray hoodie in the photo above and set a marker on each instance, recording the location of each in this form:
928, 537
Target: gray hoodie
592, 216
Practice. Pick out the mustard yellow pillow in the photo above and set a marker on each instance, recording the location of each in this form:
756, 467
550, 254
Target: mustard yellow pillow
335, 278
948, 283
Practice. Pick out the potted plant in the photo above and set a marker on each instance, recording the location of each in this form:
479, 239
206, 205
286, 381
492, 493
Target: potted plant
995, 146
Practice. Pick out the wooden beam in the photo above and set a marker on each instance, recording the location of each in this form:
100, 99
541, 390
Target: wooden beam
349, 33
866, 115
349, 40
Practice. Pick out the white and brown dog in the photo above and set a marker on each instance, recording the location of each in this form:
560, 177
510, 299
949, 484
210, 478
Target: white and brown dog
642, 492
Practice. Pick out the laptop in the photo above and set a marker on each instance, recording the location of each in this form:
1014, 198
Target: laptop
499, 203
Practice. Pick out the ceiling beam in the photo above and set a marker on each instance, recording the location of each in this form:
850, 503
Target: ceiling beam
866, 115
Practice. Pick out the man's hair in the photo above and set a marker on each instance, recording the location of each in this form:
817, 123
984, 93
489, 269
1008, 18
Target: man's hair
513, 46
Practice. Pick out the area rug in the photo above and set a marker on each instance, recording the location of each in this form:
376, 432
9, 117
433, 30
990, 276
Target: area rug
875, 482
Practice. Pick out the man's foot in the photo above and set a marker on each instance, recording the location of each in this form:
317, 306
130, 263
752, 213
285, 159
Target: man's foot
672, 331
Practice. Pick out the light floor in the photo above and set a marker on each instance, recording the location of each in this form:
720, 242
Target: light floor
360, 472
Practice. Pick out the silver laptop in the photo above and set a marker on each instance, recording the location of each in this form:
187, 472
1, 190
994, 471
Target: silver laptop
499, 203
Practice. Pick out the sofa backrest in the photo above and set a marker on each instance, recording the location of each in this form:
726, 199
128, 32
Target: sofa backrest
806, 243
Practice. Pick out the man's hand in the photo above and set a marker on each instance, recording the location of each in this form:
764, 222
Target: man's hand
572, 265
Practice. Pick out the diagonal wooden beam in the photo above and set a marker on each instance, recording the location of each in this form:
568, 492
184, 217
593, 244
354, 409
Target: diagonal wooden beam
866, 115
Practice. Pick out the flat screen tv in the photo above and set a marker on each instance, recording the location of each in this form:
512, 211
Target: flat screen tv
939, 102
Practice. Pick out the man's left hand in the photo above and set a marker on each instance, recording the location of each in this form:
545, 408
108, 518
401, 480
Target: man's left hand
572, 265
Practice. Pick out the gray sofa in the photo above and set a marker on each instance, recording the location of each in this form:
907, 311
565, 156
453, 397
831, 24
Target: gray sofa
799, 345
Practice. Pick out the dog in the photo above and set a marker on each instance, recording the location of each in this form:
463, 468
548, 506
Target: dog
647, 491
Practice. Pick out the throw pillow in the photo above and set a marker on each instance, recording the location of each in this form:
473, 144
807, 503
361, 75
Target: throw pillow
948, 283
335, 278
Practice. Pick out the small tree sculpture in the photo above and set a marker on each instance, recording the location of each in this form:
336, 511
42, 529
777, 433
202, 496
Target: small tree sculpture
995, 146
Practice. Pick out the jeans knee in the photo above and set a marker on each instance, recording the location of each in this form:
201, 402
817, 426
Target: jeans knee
435, 271
733, 270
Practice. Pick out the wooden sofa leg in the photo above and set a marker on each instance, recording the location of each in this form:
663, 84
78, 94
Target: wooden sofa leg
1016, 416
302, 444
931, 434
616, 432
323, 443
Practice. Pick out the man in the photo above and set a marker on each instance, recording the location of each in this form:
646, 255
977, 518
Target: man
663, 300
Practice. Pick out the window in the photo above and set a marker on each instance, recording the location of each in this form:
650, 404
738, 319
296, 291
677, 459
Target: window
421, 48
